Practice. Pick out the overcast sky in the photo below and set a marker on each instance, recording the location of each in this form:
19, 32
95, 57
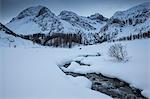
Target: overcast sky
11, 8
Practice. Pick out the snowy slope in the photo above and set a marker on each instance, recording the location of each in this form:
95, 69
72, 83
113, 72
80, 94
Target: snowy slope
40, 19
139, 11
34, 74
132, 21
10, 41
24, 26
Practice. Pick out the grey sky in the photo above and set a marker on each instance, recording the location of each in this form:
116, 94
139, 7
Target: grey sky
11, 8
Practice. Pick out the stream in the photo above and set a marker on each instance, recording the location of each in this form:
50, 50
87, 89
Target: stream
113, 87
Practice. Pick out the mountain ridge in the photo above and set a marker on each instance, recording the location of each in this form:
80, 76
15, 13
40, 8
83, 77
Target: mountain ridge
47, 22
94, 28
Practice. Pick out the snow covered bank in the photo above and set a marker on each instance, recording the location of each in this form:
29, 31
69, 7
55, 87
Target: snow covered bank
135, 71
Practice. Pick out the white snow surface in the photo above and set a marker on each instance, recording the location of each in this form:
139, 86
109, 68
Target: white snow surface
81, 81
24, 26
34, 74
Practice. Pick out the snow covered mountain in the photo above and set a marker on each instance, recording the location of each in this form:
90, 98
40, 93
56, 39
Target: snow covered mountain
9, 39
94, 28
132, 21
40, 19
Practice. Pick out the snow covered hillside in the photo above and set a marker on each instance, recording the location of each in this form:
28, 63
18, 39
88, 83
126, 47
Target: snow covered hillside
35, 72
132, 21
9, 39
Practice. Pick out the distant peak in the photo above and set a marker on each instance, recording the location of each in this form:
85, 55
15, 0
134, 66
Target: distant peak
68, 15
98, 16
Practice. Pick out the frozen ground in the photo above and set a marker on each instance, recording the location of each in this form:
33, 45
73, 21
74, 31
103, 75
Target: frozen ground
34, 73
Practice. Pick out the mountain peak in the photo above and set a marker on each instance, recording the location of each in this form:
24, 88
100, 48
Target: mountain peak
98, 17
34, 11
43, 11
68, 15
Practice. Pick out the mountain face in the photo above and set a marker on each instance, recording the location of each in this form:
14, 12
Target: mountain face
41, 19
83, 23
34, 20
132, 21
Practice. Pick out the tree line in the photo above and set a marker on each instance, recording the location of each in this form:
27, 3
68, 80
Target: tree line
55, 39
134, 36
70, 39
